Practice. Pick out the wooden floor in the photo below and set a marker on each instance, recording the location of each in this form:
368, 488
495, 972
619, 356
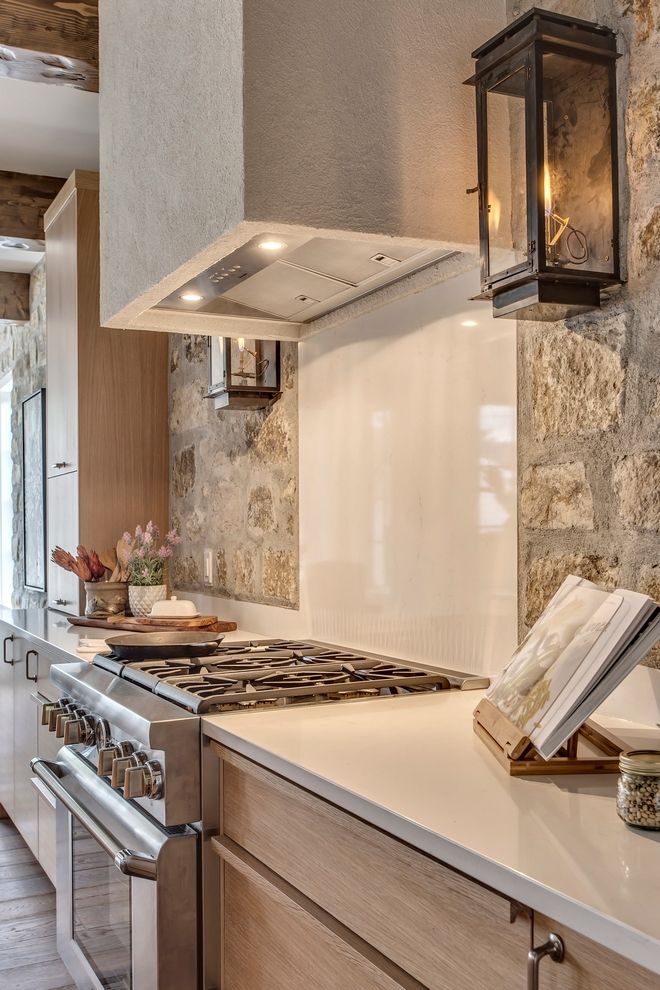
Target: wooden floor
28, 954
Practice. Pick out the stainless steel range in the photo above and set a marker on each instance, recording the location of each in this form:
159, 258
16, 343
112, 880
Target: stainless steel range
128, 784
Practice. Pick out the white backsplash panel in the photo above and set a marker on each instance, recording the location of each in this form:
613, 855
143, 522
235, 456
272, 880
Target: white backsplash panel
407, 422
408, 481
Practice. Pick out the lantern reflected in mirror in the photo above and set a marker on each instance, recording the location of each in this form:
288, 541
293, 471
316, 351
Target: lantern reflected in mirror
547, 161
243, 373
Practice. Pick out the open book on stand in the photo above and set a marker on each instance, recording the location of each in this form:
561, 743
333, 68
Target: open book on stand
584, 644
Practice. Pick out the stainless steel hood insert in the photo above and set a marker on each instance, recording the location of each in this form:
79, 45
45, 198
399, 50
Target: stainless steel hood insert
298, 278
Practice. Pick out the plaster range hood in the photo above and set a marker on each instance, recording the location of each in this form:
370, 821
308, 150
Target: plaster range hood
298, 279
342, 139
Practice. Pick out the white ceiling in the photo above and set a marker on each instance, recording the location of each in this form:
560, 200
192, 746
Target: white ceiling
47, 129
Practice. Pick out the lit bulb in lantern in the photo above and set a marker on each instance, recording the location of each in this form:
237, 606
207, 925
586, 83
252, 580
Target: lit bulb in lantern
241, 344
552, 234
547, 189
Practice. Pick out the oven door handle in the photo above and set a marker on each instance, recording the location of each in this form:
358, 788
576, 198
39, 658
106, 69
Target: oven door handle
131, 863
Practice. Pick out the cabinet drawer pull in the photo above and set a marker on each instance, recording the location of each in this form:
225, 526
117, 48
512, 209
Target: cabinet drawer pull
554, 948
7, 639
60, 601
58, 465
28, 676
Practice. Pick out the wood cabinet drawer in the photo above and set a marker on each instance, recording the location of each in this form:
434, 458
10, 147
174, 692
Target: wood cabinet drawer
586, 965
270, 941
426, 918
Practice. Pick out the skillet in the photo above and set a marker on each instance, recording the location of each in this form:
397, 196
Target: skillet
163, 645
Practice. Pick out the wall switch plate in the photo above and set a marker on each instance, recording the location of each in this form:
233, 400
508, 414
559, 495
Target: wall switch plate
208, 566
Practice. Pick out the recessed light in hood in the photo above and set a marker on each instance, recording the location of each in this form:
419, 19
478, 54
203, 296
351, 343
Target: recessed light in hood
298, 280
272, 245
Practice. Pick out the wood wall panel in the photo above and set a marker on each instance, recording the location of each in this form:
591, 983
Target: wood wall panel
24, 200
14, 297
51, 41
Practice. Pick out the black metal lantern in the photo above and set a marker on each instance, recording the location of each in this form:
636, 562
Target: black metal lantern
547, 158
244, 373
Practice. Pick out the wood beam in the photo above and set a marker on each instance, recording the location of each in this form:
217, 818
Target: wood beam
53, 41
14, 297
23, 201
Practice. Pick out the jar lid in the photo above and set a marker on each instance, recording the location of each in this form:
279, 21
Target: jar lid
642, 761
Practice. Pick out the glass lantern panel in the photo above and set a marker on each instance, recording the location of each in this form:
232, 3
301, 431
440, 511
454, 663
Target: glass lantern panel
217, 364
507, 196
253, 363
577, 168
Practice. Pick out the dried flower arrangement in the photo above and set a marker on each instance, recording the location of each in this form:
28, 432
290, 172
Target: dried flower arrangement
145, 559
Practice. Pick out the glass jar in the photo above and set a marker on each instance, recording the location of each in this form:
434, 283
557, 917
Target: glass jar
638, 792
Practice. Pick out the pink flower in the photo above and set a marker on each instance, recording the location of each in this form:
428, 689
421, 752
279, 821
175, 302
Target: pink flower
127, 538
173, 537
145, 573
165, 552
140, 553
138, 532
147, 539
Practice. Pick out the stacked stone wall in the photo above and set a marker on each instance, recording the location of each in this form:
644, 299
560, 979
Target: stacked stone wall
589, 388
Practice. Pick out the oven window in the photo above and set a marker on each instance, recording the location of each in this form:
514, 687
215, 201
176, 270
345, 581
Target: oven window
101, 911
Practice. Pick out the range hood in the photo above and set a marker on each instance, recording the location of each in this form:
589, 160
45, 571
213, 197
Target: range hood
298, 279
311, 168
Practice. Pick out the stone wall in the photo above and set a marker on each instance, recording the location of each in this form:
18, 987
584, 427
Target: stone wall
23, 352
589, 388
234, 484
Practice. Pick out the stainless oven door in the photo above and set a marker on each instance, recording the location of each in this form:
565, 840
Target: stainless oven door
126, 886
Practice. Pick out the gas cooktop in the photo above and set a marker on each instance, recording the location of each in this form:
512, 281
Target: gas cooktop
265, 673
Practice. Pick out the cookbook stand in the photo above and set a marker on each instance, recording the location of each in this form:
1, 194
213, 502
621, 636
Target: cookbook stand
519, 758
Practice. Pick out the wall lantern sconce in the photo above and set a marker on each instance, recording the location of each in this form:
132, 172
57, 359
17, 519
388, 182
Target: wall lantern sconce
547, 166
244, 373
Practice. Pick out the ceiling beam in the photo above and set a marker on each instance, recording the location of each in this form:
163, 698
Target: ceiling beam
53, 41
14, 297
23, 201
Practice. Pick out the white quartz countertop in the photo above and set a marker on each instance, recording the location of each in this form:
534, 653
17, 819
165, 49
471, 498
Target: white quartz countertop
414, 768
53, 631
49, 629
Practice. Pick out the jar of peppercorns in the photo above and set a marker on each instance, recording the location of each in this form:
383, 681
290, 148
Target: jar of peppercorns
638, 792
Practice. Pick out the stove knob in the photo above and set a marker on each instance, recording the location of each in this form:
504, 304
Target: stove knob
103, 737
58, 708
144, 781
70, 714
121, 764
109, 754
79, 731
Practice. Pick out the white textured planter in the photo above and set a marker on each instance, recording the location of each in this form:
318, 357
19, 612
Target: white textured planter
142, 599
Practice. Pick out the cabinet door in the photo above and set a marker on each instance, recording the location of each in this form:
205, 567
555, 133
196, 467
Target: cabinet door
586, 965
26, 813
63, 530
414, 910
48, 746
271, 942
7, 721
62, 340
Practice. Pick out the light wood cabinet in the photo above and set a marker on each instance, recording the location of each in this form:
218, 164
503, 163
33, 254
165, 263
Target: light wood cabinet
310, 895
22, 737
107, 399
26, 808
274, 941
586, 965
436, 926
7, 721
63, 529
48, 746
62, 338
